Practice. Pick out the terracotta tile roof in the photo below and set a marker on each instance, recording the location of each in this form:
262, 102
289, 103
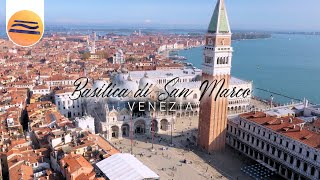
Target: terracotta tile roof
291, 127
104, 144
76, 163
40, 87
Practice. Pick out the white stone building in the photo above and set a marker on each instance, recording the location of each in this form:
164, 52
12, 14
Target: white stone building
41, 89
86, 123
118, 57
66, 106
280, 142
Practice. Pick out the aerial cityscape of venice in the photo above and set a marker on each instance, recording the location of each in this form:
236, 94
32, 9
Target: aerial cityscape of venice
159, 99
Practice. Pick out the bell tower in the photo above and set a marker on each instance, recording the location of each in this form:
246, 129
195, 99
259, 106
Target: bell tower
216, 66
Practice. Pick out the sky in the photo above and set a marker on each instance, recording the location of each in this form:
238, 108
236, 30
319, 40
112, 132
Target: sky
293, 15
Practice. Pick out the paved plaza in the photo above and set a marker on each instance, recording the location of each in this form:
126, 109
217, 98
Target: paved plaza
184, 160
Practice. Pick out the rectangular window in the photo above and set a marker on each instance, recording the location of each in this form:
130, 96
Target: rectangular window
208, 60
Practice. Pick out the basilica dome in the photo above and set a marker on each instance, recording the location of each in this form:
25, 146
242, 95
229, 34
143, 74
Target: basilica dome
129, 84
124, 70
119, 78
99, 84
146, 80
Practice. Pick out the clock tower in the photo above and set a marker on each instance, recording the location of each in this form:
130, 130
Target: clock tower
216, 66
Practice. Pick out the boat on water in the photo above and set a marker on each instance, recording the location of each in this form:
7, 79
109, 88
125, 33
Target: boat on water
179, 58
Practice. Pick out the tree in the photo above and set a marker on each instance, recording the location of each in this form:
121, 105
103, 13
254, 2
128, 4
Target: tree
86, 56
103, 54
131, 59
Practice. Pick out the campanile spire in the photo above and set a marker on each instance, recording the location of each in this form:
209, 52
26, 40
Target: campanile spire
219, 21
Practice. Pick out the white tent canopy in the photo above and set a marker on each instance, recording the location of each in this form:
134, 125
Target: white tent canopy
125, 167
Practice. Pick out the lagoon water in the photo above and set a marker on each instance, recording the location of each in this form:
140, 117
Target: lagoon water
285, 64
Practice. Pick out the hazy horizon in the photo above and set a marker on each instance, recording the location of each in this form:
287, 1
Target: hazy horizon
272, 15
132, 27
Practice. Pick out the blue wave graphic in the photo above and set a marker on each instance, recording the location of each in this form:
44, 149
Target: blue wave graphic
24, 24
24, 31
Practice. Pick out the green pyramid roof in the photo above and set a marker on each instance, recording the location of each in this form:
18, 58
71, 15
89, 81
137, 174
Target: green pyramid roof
219, 21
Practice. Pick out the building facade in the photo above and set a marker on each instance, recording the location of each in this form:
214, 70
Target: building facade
282, 144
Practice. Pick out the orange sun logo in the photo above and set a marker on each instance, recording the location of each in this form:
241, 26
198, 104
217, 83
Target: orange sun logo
25, 28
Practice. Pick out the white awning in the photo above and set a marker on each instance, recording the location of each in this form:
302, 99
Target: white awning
125, 167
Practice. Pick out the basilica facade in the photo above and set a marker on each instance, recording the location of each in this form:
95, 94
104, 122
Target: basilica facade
114, 118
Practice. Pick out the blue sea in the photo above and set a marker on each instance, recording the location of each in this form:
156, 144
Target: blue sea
285, 64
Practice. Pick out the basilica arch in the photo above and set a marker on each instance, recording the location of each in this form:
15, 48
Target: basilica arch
125, 128
140, 127
115, 132
164, 124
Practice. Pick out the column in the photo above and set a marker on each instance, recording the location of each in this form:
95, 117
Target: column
294, 162
148, 127
309, 170
301, 165
292, 176
279, 170
281, 155
288, 159
317, 174
109, 133
120, 133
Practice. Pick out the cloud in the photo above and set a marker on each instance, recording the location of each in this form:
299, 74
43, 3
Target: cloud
147, 21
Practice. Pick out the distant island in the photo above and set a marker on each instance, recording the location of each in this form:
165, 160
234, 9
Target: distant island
251, 35
302, 33
241, 35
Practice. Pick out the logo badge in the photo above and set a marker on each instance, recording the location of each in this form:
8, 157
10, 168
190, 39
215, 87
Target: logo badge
25, 25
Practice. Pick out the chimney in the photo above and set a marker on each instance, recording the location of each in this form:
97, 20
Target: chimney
290, 120
300, 127
281, 121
